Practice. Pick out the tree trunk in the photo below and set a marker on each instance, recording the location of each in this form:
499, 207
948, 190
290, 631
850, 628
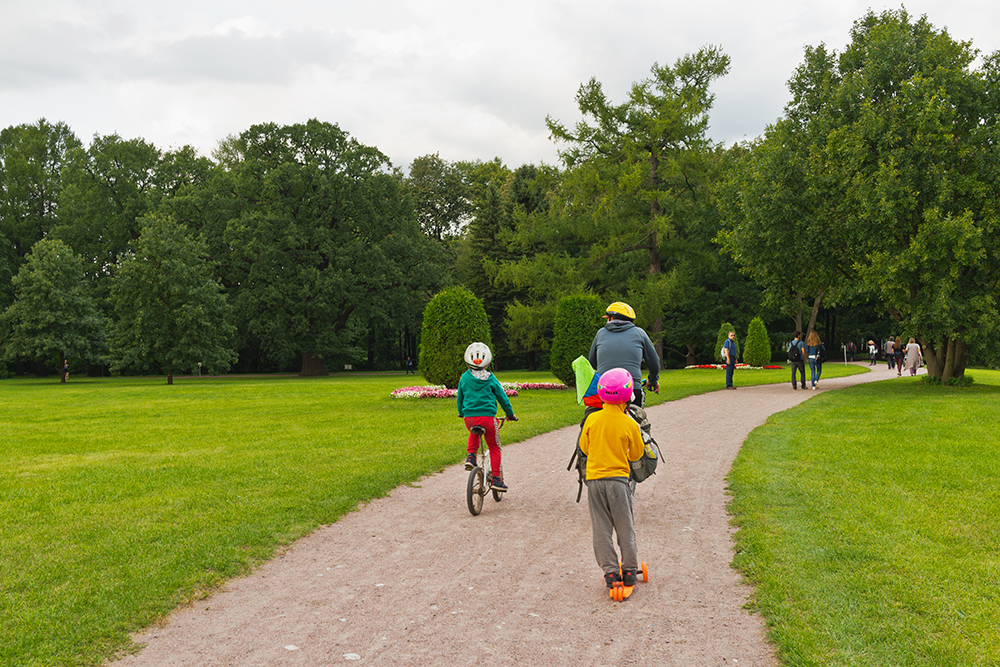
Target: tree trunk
797, 317
691, 359
170, 377
947, 359
531, 361
815, 312
312, 366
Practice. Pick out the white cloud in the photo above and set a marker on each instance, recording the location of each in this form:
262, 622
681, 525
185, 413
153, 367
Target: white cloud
466, 80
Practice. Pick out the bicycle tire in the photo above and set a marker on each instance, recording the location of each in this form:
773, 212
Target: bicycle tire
497, 496
474, 491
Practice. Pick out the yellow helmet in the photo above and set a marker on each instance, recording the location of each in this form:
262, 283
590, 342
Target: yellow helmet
621, 308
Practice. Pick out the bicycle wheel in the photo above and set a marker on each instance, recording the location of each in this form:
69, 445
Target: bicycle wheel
475, 491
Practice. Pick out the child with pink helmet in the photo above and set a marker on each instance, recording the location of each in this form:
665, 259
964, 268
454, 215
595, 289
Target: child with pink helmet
611, 439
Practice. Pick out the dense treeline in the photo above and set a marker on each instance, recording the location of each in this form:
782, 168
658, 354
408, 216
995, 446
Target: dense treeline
869, 209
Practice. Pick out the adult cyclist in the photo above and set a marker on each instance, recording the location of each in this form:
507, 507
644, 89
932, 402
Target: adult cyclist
621, 344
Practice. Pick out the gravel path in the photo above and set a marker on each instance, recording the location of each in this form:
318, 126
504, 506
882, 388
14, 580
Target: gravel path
414, 579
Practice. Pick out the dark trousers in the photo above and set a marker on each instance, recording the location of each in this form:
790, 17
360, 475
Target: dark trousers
638, 395
799, 366
729, 374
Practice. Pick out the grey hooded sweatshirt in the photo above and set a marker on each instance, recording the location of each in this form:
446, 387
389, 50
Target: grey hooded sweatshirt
621, 344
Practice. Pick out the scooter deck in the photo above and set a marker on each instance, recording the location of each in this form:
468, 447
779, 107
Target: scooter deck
620, 591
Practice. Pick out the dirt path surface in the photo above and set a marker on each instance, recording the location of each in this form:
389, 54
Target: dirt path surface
414, 579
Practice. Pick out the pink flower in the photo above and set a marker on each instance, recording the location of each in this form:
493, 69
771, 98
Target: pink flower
434, 391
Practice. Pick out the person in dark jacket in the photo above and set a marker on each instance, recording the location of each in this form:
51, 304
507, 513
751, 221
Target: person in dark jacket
621, 344
797, 359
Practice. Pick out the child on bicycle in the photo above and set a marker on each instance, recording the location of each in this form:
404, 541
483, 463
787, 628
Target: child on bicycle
611, 440
478, 393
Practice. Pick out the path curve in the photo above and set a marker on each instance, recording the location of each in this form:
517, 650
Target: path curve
406, 579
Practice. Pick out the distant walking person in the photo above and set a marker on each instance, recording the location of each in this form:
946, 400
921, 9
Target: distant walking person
890, 357
815, 351
409, 366
65, 370
898, 352
796, 358
914, 356
872, 353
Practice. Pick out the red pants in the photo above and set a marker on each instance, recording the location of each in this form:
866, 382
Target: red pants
492, 440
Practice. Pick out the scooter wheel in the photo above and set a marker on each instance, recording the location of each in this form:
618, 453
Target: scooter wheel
645, 573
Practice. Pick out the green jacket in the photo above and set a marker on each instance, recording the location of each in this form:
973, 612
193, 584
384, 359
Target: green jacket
478, 397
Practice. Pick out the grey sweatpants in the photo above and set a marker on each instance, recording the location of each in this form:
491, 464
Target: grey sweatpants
610, 503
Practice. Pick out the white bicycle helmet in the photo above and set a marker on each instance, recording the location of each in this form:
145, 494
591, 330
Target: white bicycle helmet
478, 355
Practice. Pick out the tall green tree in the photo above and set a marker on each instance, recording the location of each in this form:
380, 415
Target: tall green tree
502, 197
717, 291
896, 145
170, 311
107, 188
31, 161
637, 174
779, 230
321, 231
442, 198
54, 316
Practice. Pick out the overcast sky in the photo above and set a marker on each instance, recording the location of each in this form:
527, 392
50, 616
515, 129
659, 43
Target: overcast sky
463, 79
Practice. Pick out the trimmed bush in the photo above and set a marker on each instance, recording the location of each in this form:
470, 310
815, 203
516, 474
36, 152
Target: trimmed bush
578, 318
453, 319
721, 340
758, 346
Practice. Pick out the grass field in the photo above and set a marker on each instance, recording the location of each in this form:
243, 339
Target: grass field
868, 523
123, 498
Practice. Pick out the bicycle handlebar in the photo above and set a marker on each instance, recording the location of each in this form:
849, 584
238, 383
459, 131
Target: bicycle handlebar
502, 420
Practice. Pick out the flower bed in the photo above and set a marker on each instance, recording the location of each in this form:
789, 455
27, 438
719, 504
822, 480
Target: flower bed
440, 391
536, 385
739, 367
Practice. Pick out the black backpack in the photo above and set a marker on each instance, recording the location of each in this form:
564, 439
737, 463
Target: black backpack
795, 352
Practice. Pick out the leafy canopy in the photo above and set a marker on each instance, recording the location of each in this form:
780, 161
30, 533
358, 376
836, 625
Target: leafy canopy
883, 178
54, 316
171, 312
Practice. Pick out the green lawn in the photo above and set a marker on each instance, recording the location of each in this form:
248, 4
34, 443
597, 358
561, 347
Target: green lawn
122, 498
868, 523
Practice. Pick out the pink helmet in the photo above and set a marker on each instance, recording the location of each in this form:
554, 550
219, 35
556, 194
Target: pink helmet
615, 386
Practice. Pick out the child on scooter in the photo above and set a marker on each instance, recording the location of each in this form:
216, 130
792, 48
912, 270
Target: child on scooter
478, 393
611, 440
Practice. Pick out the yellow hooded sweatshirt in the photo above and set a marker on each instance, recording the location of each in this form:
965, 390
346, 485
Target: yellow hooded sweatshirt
610, 439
